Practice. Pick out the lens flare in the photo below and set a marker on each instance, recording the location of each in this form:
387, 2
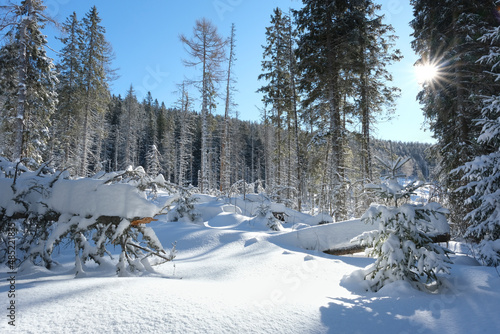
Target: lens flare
425, 72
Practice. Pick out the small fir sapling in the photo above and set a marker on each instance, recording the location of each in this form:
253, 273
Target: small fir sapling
184, 206
264, 212
402, 244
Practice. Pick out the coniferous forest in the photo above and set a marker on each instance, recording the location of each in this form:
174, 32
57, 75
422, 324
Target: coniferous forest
325, 84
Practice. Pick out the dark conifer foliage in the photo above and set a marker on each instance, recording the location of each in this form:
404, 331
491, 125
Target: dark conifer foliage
447, 35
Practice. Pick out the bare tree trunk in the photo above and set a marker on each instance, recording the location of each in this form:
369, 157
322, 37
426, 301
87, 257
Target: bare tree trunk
335, 132
225, 154
85, 138
296, 121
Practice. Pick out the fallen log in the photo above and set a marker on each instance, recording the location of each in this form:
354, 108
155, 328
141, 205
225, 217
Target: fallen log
358, 248
345, 250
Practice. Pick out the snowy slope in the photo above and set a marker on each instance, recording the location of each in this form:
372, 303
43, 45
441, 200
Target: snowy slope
232, 276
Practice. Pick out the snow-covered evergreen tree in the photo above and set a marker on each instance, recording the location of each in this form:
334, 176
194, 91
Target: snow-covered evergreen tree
96, 58
148, 134
403, 242
277, 89
70, 91
264, 213
483, 173
184, 206
447, 36
153, 160
184, 139
27, 81
130, 127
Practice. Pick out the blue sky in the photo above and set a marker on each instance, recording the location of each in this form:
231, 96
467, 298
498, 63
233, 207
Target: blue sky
145, 38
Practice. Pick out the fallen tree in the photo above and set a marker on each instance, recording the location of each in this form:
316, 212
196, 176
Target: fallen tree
43, 208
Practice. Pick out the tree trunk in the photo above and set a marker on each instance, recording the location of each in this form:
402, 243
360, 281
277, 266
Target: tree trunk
19, 144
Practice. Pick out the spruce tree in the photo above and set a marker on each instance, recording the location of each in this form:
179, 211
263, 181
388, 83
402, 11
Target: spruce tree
69, 91
131, 124
166, 127
447, 36
374, 41
96, 58
153, 161
114, 138
27, 82
148, 135
403, 244
183, 153
324, 51
8, 80
483, 172
277, 90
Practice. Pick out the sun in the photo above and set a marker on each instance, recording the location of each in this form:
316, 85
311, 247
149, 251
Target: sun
425, 73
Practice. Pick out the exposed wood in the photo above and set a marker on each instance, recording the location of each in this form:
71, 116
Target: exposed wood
345, 250
145, 220
358, 248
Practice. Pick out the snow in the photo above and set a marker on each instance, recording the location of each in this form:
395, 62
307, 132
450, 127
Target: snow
85, 197
324, 237
232, 276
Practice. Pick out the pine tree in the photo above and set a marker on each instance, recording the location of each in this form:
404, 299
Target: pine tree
27, 81
207, 49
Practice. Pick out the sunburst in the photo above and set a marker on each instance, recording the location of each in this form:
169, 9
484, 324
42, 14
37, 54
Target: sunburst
426, 72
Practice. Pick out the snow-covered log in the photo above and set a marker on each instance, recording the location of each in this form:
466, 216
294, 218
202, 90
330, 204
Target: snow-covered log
47, 208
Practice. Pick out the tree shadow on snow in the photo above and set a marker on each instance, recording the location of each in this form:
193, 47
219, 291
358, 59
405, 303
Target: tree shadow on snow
462, 307
369, 315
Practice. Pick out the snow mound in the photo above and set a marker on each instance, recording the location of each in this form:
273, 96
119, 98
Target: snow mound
323, 237
226, 220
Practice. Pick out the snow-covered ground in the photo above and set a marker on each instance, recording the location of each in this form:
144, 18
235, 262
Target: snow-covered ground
232, 275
